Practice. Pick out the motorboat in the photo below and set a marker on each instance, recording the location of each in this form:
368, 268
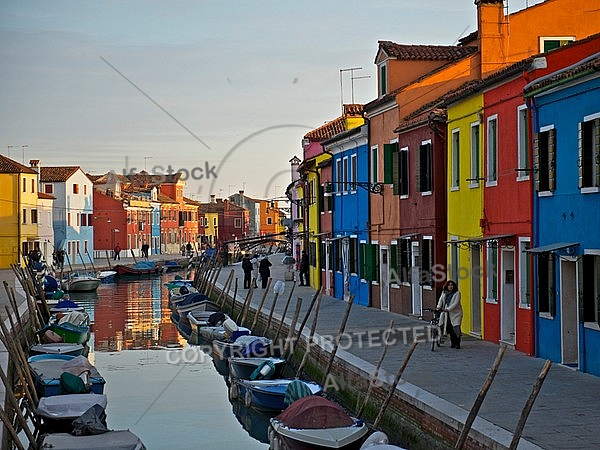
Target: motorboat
256, 368
57, 348
139, 268
119, 439
246, 345
107, 276
80, 282
315, 423
58, 411
272, 395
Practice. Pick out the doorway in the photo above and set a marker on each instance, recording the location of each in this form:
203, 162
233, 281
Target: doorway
507, 299
569, 312
475, 278
384, 280
416, 289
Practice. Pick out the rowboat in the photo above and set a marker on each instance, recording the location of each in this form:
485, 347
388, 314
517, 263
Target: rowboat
72, 327
107, 276
80, 282
139, 268
256, 368
315, 423
242, 346
58, 348
196, 302
48, 374
270, 395
59, 411
120, 439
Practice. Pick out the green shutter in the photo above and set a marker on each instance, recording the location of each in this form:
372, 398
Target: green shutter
388, 168
374, 262
393, 258
536, 161
552, 160
361, 259
395, 177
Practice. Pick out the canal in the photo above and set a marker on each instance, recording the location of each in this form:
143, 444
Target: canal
163, 389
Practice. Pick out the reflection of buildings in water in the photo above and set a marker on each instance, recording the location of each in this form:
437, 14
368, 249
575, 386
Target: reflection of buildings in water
133, 315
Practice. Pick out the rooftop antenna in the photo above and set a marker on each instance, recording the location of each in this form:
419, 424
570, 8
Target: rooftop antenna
351, 70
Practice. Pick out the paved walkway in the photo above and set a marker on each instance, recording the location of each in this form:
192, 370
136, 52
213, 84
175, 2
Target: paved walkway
566, 413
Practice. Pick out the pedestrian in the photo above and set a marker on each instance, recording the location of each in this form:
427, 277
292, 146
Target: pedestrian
254, 262
188, 249
145, 249
265, 271
304, 266
117, 252
60, 259
247, 268
452, 312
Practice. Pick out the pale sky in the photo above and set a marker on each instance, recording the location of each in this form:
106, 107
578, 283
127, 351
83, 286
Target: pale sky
112, 85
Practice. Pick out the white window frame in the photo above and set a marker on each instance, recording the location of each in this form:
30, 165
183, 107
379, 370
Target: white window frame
474, 154
491, 276
523, 144
374, 164
405, 150
455, 160
491, 154
524, 273
353, 172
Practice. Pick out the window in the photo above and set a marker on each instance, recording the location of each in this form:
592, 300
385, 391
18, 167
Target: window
345, 180
475, 151
214, 221
353, 255
48, 188
354, 171
84, 220
34, 216
24, 215
84, 189
75, 189
453, 272
589, 286
89, 219
69, 219
85, 247
491, 273
405, 260
269, 221
312, 253
33, 186
523, 144
589, 154
455, 175
382, 80
374, 157
237, 222
544, 159
550, 43
339, 176
78, 219
369, 261
524, 275
425, 168
492, 150
337, 248
24, 185
403, 172
546, 289
426, 278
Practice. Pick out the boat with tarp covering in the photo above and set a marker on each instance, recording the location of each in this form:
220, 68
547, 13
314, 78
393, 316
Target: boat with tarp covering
314, 423
119, 440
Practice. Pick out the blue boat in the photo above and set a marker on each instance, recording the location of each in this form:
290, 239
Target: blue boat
247, 345
272, 395
255, 368
47, 370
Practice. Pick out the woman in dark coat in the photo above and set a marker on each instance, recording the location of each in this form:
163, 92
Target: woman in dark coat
265, 271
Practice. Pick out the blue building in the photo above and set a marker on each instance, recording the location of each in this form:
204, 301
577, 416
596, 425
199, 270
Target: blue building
565, 109
350, 233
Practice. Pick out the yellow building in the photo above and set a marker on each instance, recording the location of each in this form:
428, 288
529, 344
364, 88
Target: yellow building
18, 211
465, 206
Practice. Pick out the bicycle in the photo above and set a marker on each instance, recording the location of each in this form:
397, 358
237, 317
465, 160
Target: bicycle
436, 332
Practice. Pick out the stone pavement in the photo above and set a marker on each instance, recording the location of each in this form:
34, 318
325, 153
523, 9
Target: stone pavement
565, 415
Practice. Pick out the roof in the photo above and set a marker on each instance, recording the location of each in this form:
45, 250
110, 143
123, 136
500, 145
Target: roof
584, 67
8, 165
162, 198
57, 174
46, 196
552, 247
409, 52
191, 202
336, 126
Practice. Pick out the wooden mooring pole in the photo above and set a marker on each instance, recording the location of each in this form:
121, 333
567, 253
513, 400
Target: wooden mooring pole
285, 309
338, 338
241, 318
225, 291
529, 404
260, 305
479, 400
311, 335
392, 389
292, 330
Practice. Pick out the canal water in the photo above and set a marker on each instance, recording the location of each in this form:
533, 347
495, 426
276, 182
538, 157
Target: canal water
163, 389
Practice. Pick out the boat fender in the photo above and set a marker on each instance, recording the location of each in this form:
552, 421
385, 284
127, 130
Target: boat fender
248, 399
234, 392
264, 371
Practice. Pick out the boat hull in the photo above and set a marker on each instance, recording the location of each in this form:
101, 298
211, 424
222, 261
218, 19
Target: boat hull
225, 350
266, 395
60, 348
81, 285
130, 271
243, 368
344, 438
70, 334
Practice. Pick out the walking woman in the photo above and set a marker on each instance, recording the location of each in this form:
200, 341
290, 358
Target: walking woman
451, 308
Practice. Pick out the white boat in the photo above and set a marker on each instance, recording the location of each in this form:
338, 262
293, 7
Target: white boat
314, 422
379, 441
121, 439
80, 282
107, 276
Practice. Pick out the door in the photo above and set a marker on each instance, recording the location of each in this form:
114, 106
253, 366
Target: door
416, 289
475, 280
507, 299
384, 281
568, 313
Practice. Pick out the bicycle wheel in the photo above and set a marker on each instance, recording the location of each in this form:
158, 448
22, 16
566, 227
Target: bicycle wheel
434, 337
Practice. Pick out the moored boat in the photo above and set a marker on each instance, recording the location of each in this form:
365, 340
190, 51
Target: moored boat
80, 282
196, 302
271, 395
120, 439
49, 379
139, 268
315, 423
107, 276
58, 348
72, 327
58, 411
255, 368
247, 345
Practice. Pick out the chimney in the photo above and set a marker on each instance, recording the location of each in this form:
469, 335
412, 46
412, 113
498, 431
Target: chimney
35, 164
241, 192
492, 26
213, 198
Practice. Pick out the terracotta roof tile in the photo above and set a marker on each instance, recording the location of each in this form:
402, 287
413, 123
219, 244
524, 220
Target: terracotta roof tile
46, 196
7, 165
336, 126
411, 52
57, 174
162, 198
583, 68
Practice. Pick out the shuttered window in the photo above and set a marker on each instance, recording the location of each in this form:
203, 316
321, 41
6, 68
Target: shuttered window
424, 169
403, 173
589, 153
544, 160
388, 169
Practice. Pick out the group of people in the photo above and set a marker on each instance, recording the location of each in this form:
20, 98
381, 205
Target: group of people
253, 268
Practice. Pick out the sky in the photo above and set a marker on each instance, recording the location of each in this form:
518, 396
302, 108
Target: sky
223, 89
